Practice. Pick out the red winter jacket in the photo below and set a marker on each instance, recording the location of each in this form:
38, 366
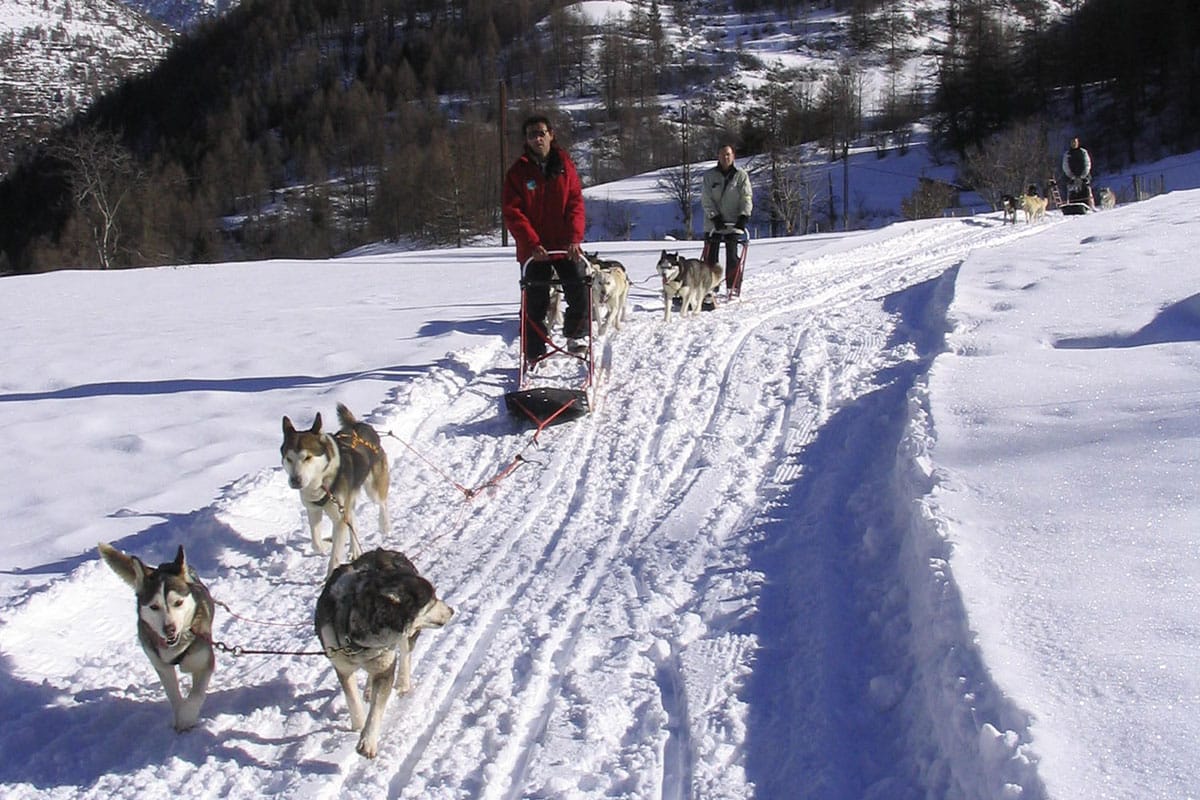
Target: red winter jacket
543, 209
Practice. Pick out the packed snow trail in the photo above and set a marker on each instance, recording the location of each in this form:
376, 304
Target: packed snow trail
621, 596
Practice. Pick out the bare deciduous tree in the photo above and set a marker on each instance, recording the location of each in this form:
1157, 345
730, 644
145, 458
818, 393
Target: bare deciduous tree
1007, 162
102, 174
796, 193
679, 184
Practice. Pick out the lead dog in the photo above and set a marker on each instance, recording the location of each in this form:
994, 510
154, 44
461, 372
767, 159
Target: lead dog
1108, 198
368, 617
175, 616
610, 291
1009, 205
689, 279
1034, 206
329, 470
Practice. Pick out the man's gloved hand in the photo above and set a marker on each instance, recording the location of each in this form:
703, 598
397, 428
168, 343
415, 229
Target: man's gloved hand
741, 222
718, 221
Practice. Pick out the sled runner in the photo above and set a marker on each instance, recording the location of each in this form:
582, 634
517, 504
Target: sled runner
555, 387
1079, 199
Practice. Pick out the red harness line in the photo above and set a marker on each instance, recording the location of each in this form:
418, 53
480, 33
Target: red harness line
468, 492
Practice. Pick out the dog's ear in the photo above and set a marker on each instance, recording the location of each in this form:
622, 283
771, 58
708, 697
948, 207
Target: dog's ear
180, 562
128, 568
289, 430
316, 426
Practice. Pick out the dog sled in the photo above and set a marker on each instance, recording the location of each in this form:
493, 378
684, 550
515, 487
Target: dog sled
1079, 198
557, 386
742, 238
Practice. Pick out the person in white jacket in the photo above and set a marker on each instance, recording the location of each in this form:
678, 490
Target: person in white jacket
728, 201
1077, 166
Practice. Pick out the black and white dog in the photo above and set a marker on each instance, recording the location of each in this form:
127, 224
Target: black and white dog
1009, 205
175, 617
329, 470
368, 617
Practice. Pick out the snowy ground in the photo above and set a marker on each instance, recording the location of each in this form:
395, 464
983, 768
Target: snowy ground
915, 518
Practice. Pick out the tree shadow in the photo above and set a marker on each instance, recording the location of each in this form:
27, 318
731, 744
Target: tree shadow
1178, 322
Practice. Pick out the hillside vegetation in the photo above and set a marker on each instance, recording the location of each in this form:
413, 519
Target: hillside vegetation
307, 127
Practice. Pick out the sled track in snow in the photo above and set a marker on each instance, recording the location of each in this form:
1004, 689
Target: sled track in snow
608, 590
554, 524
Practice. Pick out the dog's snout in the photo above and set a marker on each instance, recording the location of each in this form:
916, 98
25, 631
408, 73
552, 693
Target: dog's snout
294, 481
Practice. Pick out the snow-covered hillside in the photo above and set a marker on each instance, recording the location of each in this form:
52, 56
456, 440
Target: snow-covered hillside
58, 55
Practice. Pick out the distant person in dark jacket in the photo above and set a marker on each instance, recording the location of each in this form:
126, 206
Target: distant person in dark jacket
1077, 166
728, 201
542, 204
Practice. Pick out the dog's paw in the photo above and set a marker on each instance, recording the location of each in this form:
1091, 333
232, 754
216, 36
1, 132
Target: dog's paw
186, 720
368, 746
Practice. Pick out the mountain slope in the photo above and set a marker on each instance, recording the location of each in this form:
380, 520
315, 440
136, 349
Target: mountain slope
57, 56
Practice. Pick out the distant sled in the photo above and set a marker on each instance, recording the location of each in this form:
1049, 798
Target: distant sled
1079, 200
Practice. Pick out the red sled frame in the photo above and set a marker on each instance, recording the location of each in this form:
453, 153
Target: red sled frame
537, 399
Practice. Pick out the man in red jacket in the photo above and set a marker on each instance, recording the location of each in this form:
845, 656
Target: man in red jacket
542, 204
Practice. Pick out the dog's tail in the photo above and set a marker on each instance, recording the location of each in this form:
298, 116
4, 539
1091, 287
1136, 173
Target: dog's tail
345, 417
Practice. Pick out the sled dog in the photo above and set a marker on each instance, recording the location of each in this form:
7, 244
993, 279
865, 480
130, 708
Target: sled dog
1034, 207
329, 470
1108, 198
689, 279
1009, 205
368, 617
610, 291
175, 617
554, 313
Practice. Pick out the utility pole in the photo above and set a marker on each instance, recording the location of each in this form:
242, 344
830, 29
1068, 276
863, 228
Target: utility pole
503, 126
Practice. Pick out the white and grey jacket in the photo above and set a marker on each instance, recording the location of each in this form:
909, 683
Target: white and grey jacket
727, 195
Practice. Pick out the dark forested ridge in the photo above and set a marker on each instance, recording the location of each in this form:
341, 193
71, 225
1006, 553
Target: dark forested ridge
303, 128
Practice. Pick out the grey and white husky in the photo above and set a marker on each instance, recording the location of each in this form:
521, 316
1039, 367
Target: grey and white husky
689, 279
610, 291
368, 617
175, 617
329, 470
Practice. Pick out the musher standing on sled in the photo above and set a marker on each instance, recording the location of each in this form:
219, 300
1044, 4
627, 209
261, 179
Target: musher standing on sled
727, 200
542, 204
1077, 165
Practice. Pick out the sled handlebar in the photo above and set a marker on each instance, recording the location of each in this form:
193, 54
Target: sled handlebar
525, 264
